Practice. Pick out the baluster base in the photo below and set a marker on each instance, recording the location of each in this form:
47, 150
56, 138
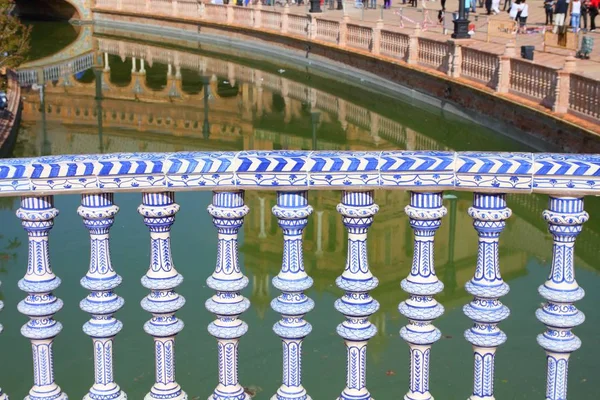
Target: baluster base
54, 395
104, 394
473, 397
180, 395
282, 394
354, 397
230, 396
418, 396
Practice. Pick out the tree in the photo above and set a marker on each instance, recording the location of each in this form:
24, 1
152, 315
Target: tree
14, 37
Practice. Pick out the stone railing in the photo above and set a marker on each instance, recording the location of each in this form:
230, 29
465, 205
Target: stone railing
426, 175
502, 73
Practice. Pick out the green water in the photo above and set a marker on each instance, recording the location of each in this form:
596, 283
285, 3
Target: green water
66, 123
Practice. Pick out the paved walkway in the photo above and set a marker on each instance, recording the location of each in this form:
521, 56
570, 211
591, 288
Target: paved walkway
553, 57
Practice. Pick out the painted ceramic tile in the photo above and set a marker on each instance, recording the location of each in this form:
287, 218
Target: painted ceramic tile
193, 169
64, 173
268, 168
130, 171
510, 171
343, 168
560, 172
14, 174
417, 169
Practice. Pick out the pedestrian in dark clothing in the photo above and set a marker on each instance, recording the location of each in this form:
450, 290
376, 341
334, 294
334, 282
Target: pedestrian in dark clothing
585, 10
488, 6
593, 10
549, 8
560, 11
507, 2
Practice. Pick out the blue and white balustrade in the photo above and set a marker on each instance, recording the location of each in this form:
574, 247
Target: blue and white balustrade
98, 212
565, 217
357, 210
37, 217
292, 211
489, 176
489, 213
158, 210
425, 214
228, 211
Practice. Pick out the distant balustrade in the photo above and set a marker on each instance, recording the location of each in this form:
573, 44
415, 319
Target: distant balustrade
360, 176
556, 88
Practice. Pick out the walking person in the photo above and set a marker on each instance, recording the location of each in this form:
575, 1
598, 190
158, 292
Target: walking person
585, 10
496, 7
509, 3
373, 4
513, 13
488, 7
549, 8
575, 15
560, 11
593, 10
522, 15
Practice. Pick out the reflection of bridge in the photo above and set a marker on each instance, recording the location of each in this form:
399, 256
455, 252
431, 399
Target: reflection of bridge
73, 59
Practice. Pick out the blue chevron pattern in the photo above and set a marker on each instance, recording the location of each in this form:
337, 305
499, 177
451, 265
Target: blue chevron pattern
516, 172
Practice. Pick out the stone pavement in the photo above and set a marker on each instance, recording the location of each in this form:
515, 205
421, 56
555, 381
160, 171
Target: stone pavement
553, 57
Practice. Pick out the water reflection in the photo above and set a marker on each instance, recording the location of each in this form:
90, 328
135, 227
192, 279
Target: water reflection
150, 97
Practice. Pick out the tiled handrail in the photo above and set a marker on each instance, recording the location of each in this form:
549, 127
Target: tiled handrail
277, 170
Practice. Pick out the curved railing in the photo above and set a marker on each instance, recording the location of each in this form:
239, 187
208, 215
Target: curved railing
502, 72
490, 176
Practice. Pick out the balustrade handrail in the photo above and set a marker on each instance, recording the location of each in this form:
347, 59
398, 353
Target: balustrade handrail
568, 174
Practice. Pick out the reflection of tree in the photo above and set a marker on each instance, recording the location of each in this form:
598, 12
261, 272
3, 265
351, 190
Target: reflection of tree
14, 38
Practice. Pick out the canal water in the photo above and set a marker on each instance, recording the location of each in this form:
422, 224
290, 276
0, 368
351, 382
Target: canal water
238, 114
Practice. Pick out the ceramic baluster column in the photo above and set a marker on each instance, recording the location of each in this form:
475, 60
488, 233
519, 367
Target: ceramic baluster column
425, 214
357, 209
292, 210
3, 395
37, 215
158, 210
98, 211
489, 213
565, 216
228, 211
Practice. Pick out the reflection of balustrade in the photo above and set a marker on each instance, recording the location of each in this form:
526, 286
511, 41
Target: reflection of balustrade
566, 178
536, 81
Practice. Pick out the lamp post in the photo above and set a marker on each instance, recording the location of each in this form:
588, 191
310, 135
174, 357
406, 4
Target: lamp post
206, 124
314, 117
461, 24
99, 110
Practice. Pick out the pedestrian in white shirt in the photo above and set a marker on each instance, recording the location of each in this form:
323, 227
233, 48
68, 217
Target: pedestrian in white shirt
523, 14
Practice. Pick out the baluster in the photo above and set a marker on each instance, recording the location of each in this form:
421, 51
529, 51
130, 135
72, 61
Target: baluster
489, 213
158, 210
3, 395
357, 209
425, 214
565, 218
98, 211
292, 210
228, 211
37, 217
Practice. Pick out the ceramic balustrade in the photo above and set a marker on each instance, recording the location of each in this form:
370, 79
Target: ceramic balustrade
566, 178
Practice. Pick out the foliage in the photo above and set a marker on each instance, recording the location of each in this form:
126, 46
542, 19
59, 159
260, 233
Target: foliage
14, 37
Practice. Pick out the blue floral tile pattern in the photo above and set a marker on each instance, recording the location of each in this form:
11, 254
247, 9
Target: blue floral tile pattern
510, 171
343, 169
194, 169
271, 168
417, 169
571, 172
408, 170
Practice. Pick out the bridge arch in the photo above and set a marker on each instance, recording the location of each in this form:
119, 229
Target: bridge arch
55, 9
